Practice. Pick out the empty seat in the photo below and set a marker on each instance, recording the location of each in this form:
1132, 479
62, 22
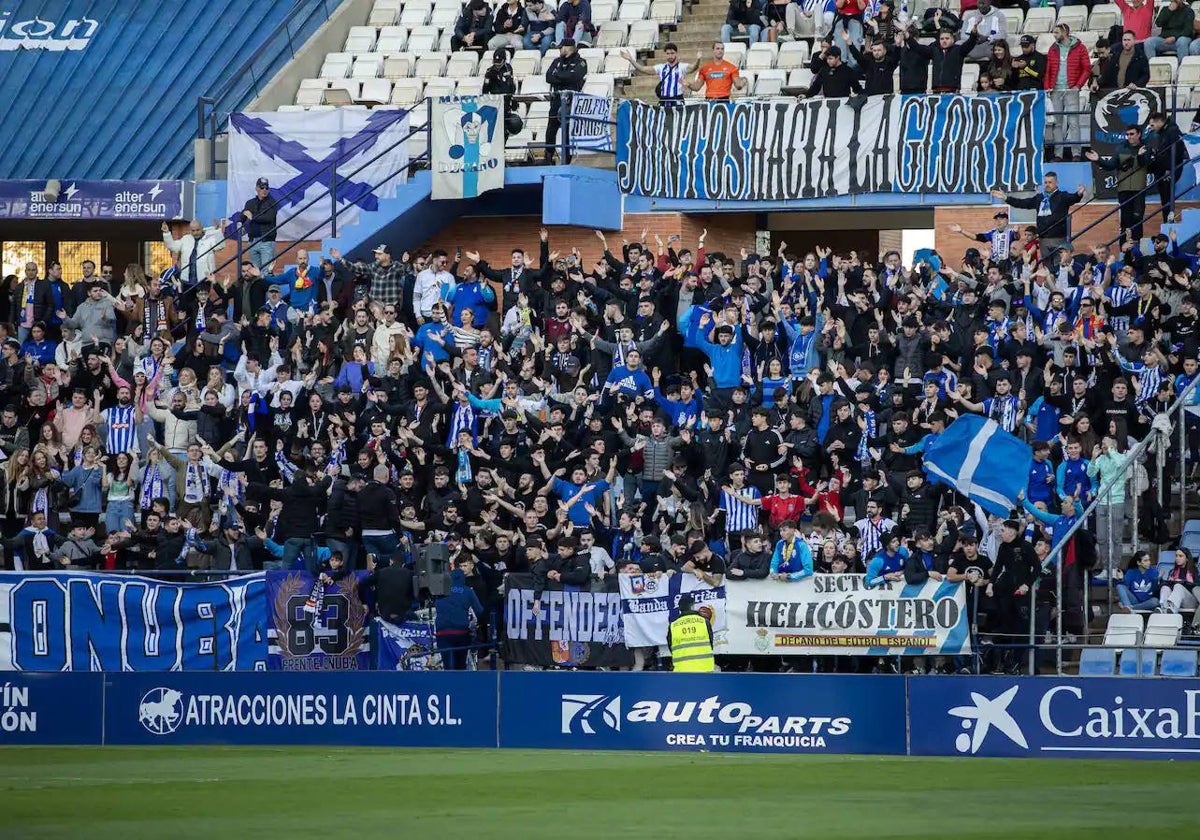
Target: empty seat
594, 56
617, 65
769, 82
470, 87
1038, 20
392, 39
368, 66
612, 35
341, 92
1104, 17
462, 64
375, 91
603, 12
289, 109
527, 63
398, 66
760, 57
1166, 560
444, 42
970, 78
1162, 70
311, 92
1089, 39
407, 91
516, 147
360, 40
598, 84
534, 85
1124, 630
440, 87
1138, 663
1192, 526
802, 77
1097, 662
632, 10
662, 11
1163, 630
337, 66
1045, 41
415, 14
385, 12
792, 54
1178, 662
1014, 19
1074, 17
444, 17
643, 35
422, 39
430, 66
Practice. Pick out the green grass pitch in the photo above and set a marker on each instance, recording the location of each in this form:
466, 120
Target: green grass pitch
257, 793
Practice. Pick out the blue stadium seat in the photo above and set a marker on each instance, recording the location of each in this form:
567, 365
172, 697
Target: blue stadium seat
1129, 663
1166, 559
1178, 663
1097, 662
1192, 526
1191, 542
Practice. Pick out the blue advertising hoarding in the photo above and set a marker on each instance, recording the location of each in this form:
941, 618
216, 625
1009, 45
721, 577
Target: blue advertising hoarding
83, 621
1055, 717
51, 709
384, 709
96, 200
717, 712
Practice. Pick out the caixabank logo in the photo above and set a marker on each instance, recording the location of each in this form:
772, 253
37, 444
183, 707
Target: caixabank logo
1052, 717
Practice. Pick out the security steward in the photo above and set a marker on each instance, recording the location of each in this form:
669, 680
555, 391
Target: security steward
690, 639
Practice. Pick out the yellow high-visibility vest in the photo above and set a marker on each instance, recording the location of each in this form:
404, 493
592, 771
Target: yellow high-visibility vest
691, 649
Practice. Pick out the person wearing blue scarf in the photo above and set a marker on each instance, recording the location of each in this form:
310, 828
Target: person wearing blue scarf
804, 335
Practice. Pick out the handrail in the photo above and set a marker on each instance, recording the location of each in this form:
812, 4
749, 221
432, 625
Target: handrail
330, 192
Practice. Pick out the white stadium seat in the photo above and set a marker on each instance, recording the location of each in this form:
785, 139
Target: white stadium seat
735, 53
376, 91
392, 39
612, 35
534, 85
367, 66
643, 35
526, 62
422, 39
792, 54
415, 14
802, 77
407, 91
337, 66
1162, 70
1189, 71
632, 10
1074, 17
360, 40
769, 82
1039, 20
462, 64
472, 86
444, 17
311, 92
603, 12
1104, 16
399, 66
440, 87
617, 65
430, 66
385, 12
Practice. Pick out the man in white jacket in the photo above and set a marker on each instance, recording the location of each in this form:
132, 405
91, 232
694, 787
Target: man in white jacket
197, 250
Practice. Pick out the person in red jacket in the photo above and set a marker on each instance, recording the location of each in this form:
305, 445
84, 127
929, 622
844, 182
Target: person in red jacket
1068, 69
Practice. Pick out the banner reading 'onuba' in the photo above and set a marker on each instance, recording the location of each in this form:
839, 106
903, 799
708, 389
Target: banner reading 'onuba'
777, 150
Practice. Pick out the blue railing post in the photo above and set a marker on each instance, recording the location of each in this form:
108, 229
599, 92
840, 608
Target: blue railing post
333, 213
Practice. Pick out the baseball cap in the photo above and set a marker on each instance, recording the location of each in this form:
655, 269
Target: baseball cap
1028, 40
382, 249
262, 184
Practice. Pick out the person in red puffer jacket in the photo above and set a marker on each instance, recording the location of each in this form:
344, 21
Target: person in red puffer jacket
1068, 69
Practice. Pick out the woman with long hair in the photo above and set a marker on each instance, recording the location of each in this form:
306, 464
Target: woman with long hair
14, 504
88, 436
1083, 434
50, 441
1177, 593
1000, 65
1137, 584
120, 484
189, 387
135, 284
39, 479
215, 383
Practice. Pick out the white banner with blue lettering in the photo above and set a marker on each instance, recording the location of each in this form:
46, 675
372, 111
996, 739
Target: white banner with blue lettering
839, 614
82, 621
649, 604
466, 145
295, 153
779, 150
591, 123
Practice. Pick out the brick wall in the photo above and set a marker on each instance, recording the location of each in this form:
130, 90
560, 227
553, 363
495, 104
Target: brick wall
978, 219
229, 250
494, 238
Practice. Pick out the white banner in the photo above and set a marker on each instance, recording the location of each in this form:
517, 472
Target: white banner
838, 614
592, 126
294, 152
466, 145
649, 604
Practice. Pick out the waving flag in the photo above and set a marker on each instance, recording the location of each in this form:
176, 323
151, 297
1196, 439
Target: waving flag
982, 461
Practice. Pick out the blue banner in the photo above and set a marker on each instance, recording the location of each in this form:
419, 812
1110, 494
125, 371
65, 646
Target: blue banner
411, 646
348, 709
717, 712
316, 626
774, 150
51, 709
1055, 717
95, 622
96, 200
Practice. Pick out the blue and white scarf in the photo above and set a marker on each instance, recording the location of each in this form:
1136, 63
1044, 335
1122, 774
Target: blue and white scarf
864, 449
152, 486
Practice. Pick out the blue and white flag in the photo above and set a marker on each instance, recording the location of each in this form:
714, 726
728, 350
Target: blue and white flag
294, 152
649, 605
466, 145
982, 461
592, 124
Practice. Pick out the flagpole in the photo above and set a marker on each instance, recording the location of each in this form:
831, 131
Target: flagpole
1138, 450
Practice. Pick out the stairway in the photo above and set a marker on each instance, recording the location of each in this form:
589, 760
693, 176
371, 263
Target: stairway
695, 33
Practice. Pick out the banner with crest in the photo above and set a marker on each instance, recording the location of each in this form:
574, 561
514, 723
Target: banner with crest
567, 626
316, 626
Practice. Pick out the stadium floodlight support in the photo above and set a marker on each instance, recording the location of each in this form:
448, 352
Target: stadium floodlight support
1160, 428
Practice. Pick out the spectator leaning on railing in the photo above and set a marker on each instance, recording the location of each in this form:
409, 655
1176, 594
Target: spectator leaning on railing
1128, 67
1053, 207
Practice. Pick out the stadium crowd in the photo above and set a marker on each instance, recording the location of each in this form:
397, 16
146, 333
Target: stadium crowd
666, 408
